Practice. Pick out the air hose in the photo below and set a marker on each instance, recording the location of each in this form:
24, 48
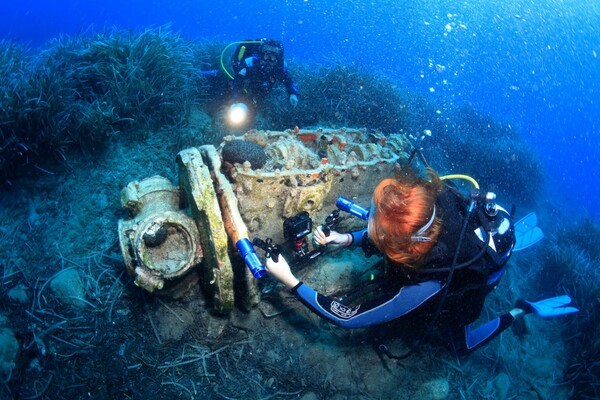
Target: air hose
227, 47
460, 176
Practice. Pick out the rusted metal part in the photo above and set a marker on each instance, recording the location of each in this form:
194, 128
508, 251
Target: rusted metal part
217, 271
247, 290
160, 243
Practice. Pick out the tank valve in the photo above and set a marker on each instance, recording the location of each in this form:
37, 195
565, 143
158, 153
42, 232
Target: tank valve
490, 204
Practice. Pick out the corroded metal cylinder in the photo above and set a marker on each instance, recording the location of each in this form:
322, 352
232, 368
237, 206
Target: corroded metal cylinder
160, 243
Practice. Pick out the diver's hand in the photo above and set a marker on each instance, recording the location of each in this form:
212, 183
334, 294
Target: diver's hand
293, 100
281, 271
334, 238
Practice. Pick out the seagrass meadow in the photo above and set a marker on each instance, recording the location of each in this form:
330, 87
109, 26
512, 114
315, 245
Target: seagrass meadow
85, 115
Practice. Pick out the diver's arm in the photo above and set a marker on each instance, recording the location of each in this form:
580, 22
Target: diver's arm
281, 271
381, 310
241, 76
238, 84
385, 308
288, 82
357, 237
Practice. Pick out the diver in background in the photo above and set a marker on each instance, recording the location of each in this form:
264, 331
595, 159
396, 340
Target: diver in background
443, 255
257, 66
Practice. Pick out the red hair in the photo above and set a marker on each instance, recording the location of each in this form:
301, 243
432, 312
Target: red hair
401, 209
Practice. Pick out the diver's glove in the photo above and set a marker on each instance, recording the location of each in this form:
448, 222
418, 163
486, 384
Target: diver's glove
548, 307
293, 100
281, 271
334, 238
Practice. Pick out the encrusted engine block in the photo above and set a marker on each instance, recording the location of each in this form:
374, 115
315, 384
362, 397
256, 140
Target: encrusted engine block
226, 199
308, 171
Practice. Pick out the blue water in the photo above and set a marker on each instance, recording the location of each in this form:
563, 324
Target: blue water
534, 65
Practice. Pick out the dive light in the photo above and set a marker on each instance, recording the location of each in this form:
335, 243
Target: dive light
250, 258
237, 114
351, 207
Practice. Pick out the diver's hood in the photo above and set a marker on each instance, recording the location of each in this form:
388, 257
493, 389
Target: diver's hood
272, 46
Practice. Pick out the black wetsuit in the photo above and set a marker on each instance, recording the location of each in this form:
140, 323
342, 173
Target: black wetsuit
400, 293
255, 78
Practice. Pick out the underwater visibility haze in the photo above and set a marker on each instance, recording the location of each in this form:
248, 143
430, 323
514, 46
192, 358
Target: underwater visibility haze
529, 64
505, 91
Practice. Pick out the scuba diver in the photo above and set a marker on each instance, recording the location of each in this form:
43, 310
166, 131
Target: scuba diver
257, 65
443, 254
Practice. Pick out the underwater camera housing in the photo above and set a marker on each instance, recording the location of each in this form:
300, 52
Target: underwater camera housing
297, 228
295, 231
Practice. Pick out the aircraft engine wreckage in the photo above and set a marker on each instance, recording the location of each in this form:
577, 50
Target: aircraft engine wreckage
201, 230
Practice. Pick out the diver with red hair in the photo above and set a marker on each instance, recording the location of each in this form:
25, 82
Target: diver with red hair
443, 253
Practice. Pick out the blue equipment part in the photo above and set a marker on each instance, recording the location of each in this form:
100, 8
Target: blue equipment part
212, 72
549, 307
351, 207
250, 258
527, 232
